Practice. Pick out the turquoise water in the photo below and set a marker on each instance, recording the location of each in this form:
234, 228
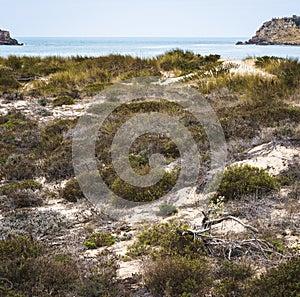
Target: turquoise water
142, 47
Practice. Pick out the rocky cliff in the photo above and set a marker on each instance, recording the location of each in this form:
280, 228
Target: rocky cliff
278, 31
5, 39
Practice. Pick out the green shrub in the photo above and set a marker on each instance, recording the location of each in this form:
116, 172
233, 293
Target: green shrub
243, 180
232, 279
99, 239
281, 281
22, 194
167, 210
178, 276
19, 167
143, 194
101, 279
24, 263
72, 191
21, 247
7, 81
53, 135
166, 239
63, 100
59, 164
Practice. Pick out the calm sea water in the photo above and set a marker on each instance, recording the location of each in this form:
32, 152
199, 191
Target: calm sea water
142, 47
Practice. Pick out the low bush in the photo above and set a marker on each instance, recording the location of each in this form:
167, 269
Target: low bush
72, 191
99, 239
166, 239
244, 180
21, 194
281, 281
63, 100
231, 279
7, 81
178, 276
23, 263
101, 279
143, 194
59, 164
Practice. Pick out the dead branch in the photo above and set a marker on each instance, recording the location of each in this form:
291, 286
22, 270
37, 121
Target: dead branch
229, 248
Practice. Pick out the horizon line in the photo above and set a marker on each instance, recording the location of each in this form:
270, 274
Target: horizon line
138, 36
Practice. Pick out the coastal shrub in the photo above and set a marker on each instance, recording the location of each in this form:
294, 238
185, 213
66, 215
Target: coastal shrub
22, 194
32, 272
166, 239
101, 279
178, 276
143, 148
240, 180
63, 100
143, 194
54, 134
18, 167
281, 281
231, 279
59, 164
72, 191
99, 239
7, 81
167, 209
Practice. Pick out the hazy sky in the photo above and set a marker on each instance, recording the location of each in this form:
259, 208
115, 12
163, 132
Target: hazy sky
174, 18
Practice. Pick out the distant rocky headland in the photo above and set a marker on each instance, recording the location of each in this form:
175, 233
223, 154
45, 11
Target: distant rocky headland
5, 39
278, 31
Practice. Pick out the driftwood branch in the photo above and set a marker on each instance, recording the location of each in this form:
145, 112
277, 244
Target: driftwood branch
230, 248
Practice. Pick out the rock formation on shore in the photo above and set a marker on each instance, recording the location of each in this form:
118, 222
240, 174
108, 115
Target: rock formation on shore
278, 31
5, 39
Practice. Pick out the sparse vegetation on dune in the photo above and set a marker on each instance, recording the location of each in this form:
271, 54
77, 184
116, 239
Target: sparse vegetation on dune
59, 245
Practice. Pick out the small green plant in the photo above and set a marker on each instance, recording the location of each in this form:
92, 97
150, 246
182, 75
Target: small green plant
99, 239
63, 100
167, 210
243, 180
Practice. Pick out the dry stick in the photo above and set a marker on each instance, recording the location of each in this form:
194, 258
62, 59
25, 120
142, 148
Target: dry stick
217, 221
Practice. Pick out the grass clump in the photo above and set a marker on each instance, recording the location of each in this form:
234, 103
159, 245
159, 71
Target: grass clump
287, 70
99, 239
167, 209
63, 100
244, 180
185, 61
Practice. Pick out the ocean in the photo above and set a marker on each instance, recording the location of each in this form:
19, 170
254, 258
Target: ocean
142, 47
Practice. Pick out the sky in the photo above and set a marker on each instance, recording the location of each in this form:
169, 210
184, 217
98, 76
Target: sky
155, 18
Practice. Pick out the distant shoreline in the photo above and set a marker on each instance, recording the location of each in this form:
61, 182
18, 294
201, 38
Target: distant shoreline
142, 47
